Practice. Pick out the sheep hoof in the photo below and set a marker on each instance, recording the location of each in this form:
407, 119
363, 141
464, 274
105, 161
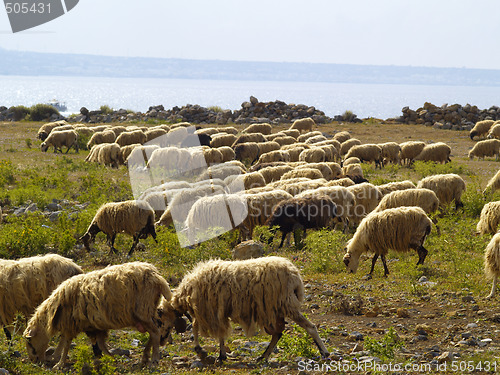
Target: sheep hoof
201, 353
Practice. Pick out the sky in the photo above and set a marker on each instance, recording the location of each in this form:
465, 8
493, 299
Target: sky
433, 33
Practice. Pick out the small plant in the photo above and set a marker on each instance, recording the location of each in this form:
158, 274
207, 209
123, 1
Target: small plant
297, 343
428, 168
29, 142
349, 116
384, 348
42, 112
106, 109
83, 359
215, 108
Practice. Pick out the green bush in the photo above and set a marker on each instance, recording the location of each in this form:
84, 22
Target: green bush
20, 112
7, 172
324, 251
42, 112
297, 343
428, 168
106, 109
384, 348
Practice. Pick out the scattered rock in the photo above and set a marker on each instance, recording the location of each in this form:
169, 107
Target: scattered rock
248, 249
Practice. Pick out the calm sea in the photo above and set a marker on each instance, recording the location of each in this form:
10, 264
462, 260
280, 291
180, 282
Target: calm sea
365, 100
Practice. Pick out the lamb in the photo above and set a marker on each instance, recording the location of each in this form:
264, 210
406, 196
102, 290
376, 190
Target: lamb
251, 137
410, 150
106, 136
481, 129
448, 188
438, 152
263, 128
348, 144
220, 140
120, 296
399, 229
488, 147
494, 132
391, 152
135, 218
493, 184
303, 124
273, 156
312, 212
367, 197
247, 151
311, 173
367, 153
28, 281
128, 138
492, 262
395, 186
58, 139
45, 129
489, 219
342, 136
255, 293
312, 155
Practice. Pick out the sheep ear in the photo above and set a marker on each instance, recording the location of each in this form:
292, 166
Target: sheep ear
57, 316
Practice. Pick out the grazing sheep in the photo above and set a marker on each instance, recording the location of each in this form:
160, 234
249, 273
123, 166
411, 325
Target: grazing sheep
94, 153
366, 153
324, 168
125, 152
354, 172
367, 197
348, 144
423, 198
154, 133
332, 142
260, 208
481, 129
274, 156
304, 137
27, 282
274, 173
438, 152
316, 139
394, 186
398, 229
247, 138
488, 147
120, 296
213, 156
268, 147
58, 139
291, 133
492, 262
139, 154
248, 181
312, 155
331, 153
105, 136
294, 152
254, 293
247, 151
494, 132
448, 188
109, 155
335, 168
263, 128
118, 130
309, 213
227, 152
135, 218
221, 171
489, 219
410, 150
46, 128
128, 138
220, 140
391, 152
285, 140
493, 184
351, 160
342, 136
311, 173
346, 182
303, 124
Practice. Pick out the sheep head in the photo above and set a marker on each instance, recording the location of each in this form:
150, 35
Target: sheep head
351, 261
44, 147
36, 344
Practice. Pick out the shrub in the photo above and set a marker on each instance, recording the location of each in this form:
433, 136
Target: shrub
20, 112
42, 112
384, 348
106, 109
324, 249
428, 168
297, 343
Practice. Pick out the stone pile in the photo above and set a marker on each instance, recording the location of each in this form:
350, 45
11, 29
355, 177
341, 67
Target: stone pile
454, 117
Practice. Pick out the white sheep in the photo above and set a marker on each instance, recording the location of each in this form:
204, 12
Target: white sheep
423, 198
494, 132
120, 296
394, 186
311, 173
263, 128
220, 140
227, 152
342, 136
398, 229
109, 154
152, 134
367, 197
272, 173
493, 184
488, 147
345, 181
366, 153
135, 218
28, 281
105, 136
312, 155
351, 160
254, 293
316, 139
348, 144
354, 172
489, 219
492, 262
46, 128
118, 130
250, 137
304, 137
285, 140
391, 152
303, 124
58, 139
410, 150
438, 152
448, 188
481, 128
274, 156
291, 133
128, 138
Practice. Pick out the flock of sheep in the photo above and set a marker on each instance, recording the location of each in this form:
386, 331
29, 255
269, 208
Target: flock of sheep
296, 178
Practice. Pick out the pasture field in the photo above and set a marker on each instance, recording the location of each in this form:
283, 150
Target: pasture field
417, 316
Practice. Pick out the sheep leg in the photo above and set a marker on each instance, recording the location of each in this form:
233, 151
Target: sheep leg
65, 342
111, 243
374, 260
197, 347
422, 253
136, 241
493, 288
222, 351
282, 239
386, 270
153, 342
310, 328
276, 335
101, 342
